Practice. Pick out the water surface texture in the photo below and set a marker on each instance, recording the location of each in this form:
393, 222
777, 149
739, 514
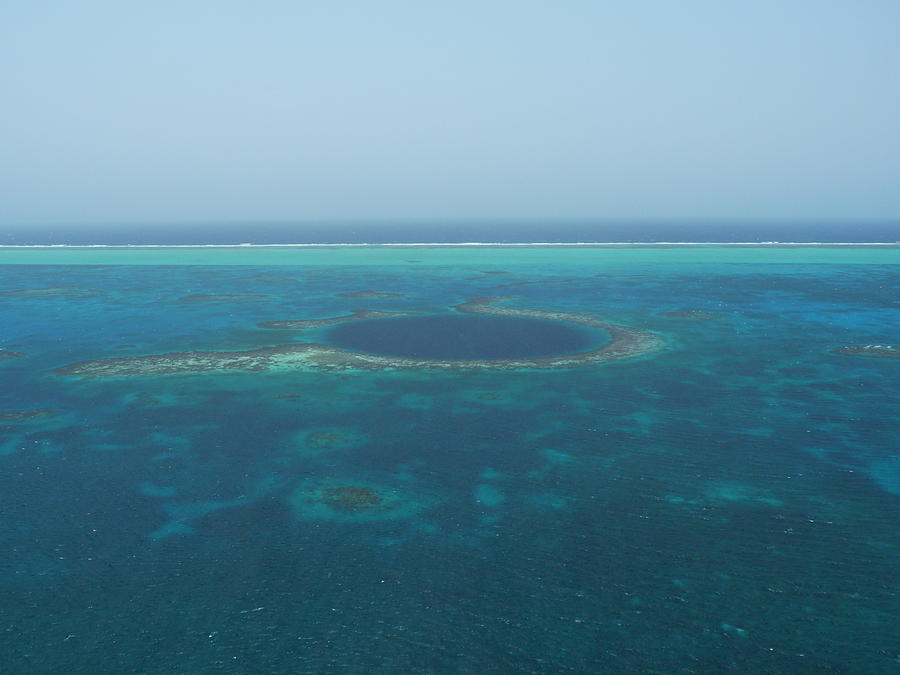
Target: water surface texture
728, 503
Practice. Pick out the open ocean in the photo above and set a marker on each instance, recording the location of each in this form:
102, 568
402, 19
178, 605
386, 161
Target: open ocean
724, 497
198, 234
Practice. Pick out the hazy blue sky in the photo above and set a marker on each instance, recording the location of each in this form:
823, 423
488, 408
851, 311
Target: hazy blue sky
168, 111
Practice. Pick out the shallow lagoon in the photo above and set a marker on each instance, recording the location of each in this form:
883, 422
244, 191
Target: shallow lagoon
728, 503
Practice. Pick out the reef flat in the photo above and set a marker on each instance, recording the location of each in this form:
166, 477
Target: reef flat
871, 351
266, 358
6, 355
625, 342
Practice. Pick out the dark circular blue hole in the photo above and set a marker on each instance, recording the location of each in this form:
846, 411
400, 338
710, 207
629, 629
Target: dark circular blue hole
465, 337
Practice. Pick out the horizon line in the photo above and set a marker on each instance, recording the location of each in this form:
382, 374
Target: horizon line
465, 244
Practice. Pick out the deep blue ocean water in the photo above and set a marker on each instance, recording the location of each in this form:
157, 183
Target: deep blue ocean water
461, 337
729, 504
453, 232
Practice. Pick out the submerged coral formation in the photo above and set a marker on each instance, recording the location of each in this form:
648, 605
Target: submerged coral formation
625, 342
873, 351
369, 294
326, 440
25, 415
305, 324
351, 497
64, 291
206, 297
485, 274
695, 315
6, 355
538, 282
353, 501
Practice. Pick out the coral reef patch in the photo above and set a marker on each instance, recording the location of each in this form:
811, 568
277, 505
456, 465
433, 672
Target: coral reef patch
25, 415
58, 291
352, 501
369, 294
351, 497
306, 324
539, 282
205, 297
695, 315
7, 355
326, 440
871, 351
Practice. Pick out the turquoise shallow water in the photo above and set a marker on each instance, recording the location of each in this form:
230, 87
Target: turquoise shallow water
729, 504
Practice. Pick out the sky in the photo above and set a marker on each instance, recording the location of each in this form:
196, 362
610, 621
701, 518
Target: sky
164, 112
